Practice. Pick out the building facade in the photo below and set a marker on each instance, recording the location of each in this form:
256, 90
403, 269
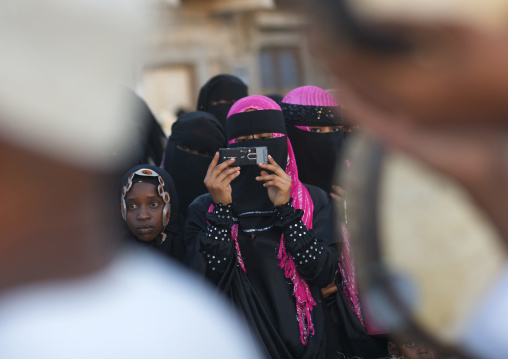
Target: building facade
261, 41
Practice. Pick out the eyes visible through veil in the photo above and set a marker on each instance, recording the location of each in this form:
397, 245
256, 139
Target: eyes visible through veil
257, 136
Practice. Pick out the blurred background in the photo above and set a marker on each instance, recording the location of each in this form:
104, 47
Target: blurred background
263, 42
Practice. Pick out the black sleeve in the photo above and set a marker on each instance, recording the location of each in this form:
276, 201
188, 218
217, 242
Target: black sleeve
209, 234
195, 223
315, 251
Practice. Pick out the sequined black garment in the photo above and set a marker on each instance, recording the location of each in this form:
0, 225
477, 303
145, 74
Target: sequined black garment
262, 292
303, 115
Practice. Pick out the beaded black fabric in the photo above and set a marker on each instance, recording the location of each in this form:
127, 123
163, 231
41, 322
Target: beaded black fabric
216, 245
221, 216
306, 250
287, 214
303, 115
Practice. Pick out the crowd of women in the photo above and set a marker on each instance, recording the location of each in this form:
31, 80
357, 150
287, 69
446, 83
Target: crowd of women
272, 236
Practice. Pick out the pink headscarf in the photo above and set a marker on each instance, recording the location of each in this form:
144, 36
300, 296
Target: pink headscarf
301, 200
315, 96
309, 96
256, 102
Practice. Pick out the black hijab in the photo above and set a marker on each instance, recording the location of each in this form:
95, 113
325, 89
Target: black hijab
169, 241
198, 131
221, 88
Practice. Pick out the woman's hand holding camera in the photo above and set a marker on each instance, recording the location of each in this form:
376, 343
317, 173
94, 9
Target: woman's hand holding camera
218, 180
278, 183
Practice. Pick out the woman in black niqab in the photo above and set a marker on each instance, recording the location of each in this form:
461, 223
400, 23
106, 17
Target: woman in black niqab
219, 94
271, 258
308, 110
195, 137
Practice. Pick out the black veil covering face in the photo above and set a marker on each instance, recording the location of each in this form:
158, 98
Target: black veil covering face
169, 241
151, 138
201, 133
250, 198
218, 95
316, 154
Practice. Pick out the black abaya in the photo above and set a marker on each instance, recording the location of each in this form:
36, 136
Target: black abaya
262, 292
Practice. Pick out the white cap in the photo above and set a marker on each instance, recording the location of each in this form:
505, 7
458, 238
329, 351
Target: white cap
483, 13
62, 64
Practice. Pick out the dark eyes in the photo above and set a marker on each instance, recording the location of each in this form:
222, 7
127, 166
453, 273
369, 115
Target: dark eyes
220, 102
318, 130
264, 137
196, 152
153, 204
409, 344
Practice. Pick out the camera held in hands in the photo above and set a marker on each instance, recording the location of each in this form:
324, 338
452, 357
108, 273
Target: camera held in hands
244, 155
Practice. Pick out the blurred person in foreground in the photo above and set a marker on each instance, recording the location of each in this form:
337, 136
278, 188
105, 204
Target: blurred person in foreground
67, 288
430, 78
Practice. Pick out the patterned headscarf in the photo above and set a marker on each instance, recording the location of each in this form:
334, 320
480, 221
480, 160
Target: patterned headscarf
312, 103
153, 174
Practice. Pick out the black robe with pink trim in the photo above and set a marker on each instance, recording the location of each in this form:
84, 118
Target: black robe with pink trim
262, 292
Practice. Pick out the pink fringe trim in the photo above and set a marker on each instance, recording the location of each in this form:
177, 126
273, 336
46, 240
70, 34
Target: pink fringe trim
304, 301
347, 267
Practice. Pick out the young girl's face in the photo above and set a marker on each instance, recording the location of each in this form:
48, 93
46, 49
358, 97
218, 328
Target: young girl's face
144, 211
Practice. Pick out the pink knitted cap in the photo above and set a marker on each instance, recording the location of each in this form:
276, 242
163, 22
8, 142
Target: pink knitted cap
309, 96
256, 102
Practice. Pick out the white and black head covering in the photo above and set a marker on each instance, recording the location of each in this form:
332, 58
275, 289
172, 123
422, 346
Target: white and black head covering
169, 240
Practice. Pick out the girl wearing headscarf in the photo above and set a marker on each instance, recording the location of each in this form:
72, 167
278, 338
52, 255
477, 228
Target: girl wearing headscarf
195, 137
219, 94
314, 124
149, 207
266, 239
